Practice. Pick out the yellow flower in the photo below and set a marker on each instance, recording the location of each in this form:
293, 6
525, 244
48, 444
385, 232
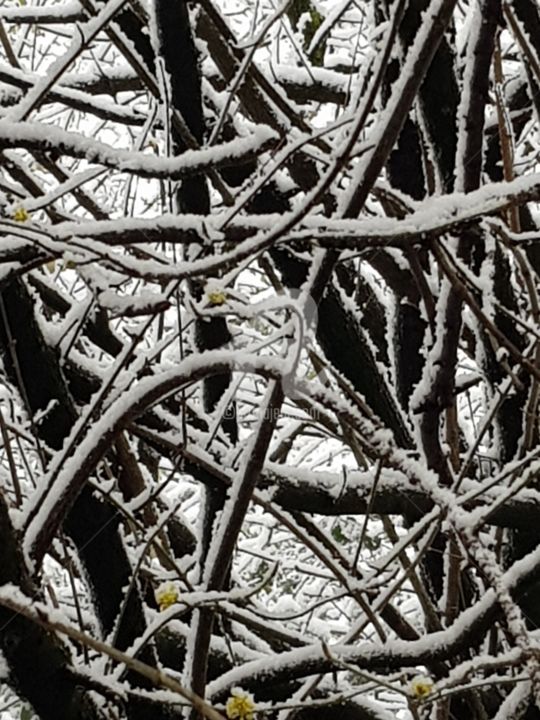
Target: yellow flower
421, 686
166, 595
21, 214
217, 297
240, 705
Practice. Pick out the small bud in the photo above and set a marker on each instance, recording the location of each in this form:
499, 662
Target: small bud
421, 686
217, 297
240, 705
21, 215
166, 595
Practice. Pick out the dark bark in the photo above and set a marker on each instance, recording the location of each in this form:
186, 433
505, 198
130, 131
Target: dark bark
439, 94
93, 525
528, 15
38, 663
180, 61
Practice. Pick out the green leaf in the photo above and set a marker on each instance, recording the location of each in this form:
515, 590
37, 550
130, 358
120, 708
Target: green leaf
337, 534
